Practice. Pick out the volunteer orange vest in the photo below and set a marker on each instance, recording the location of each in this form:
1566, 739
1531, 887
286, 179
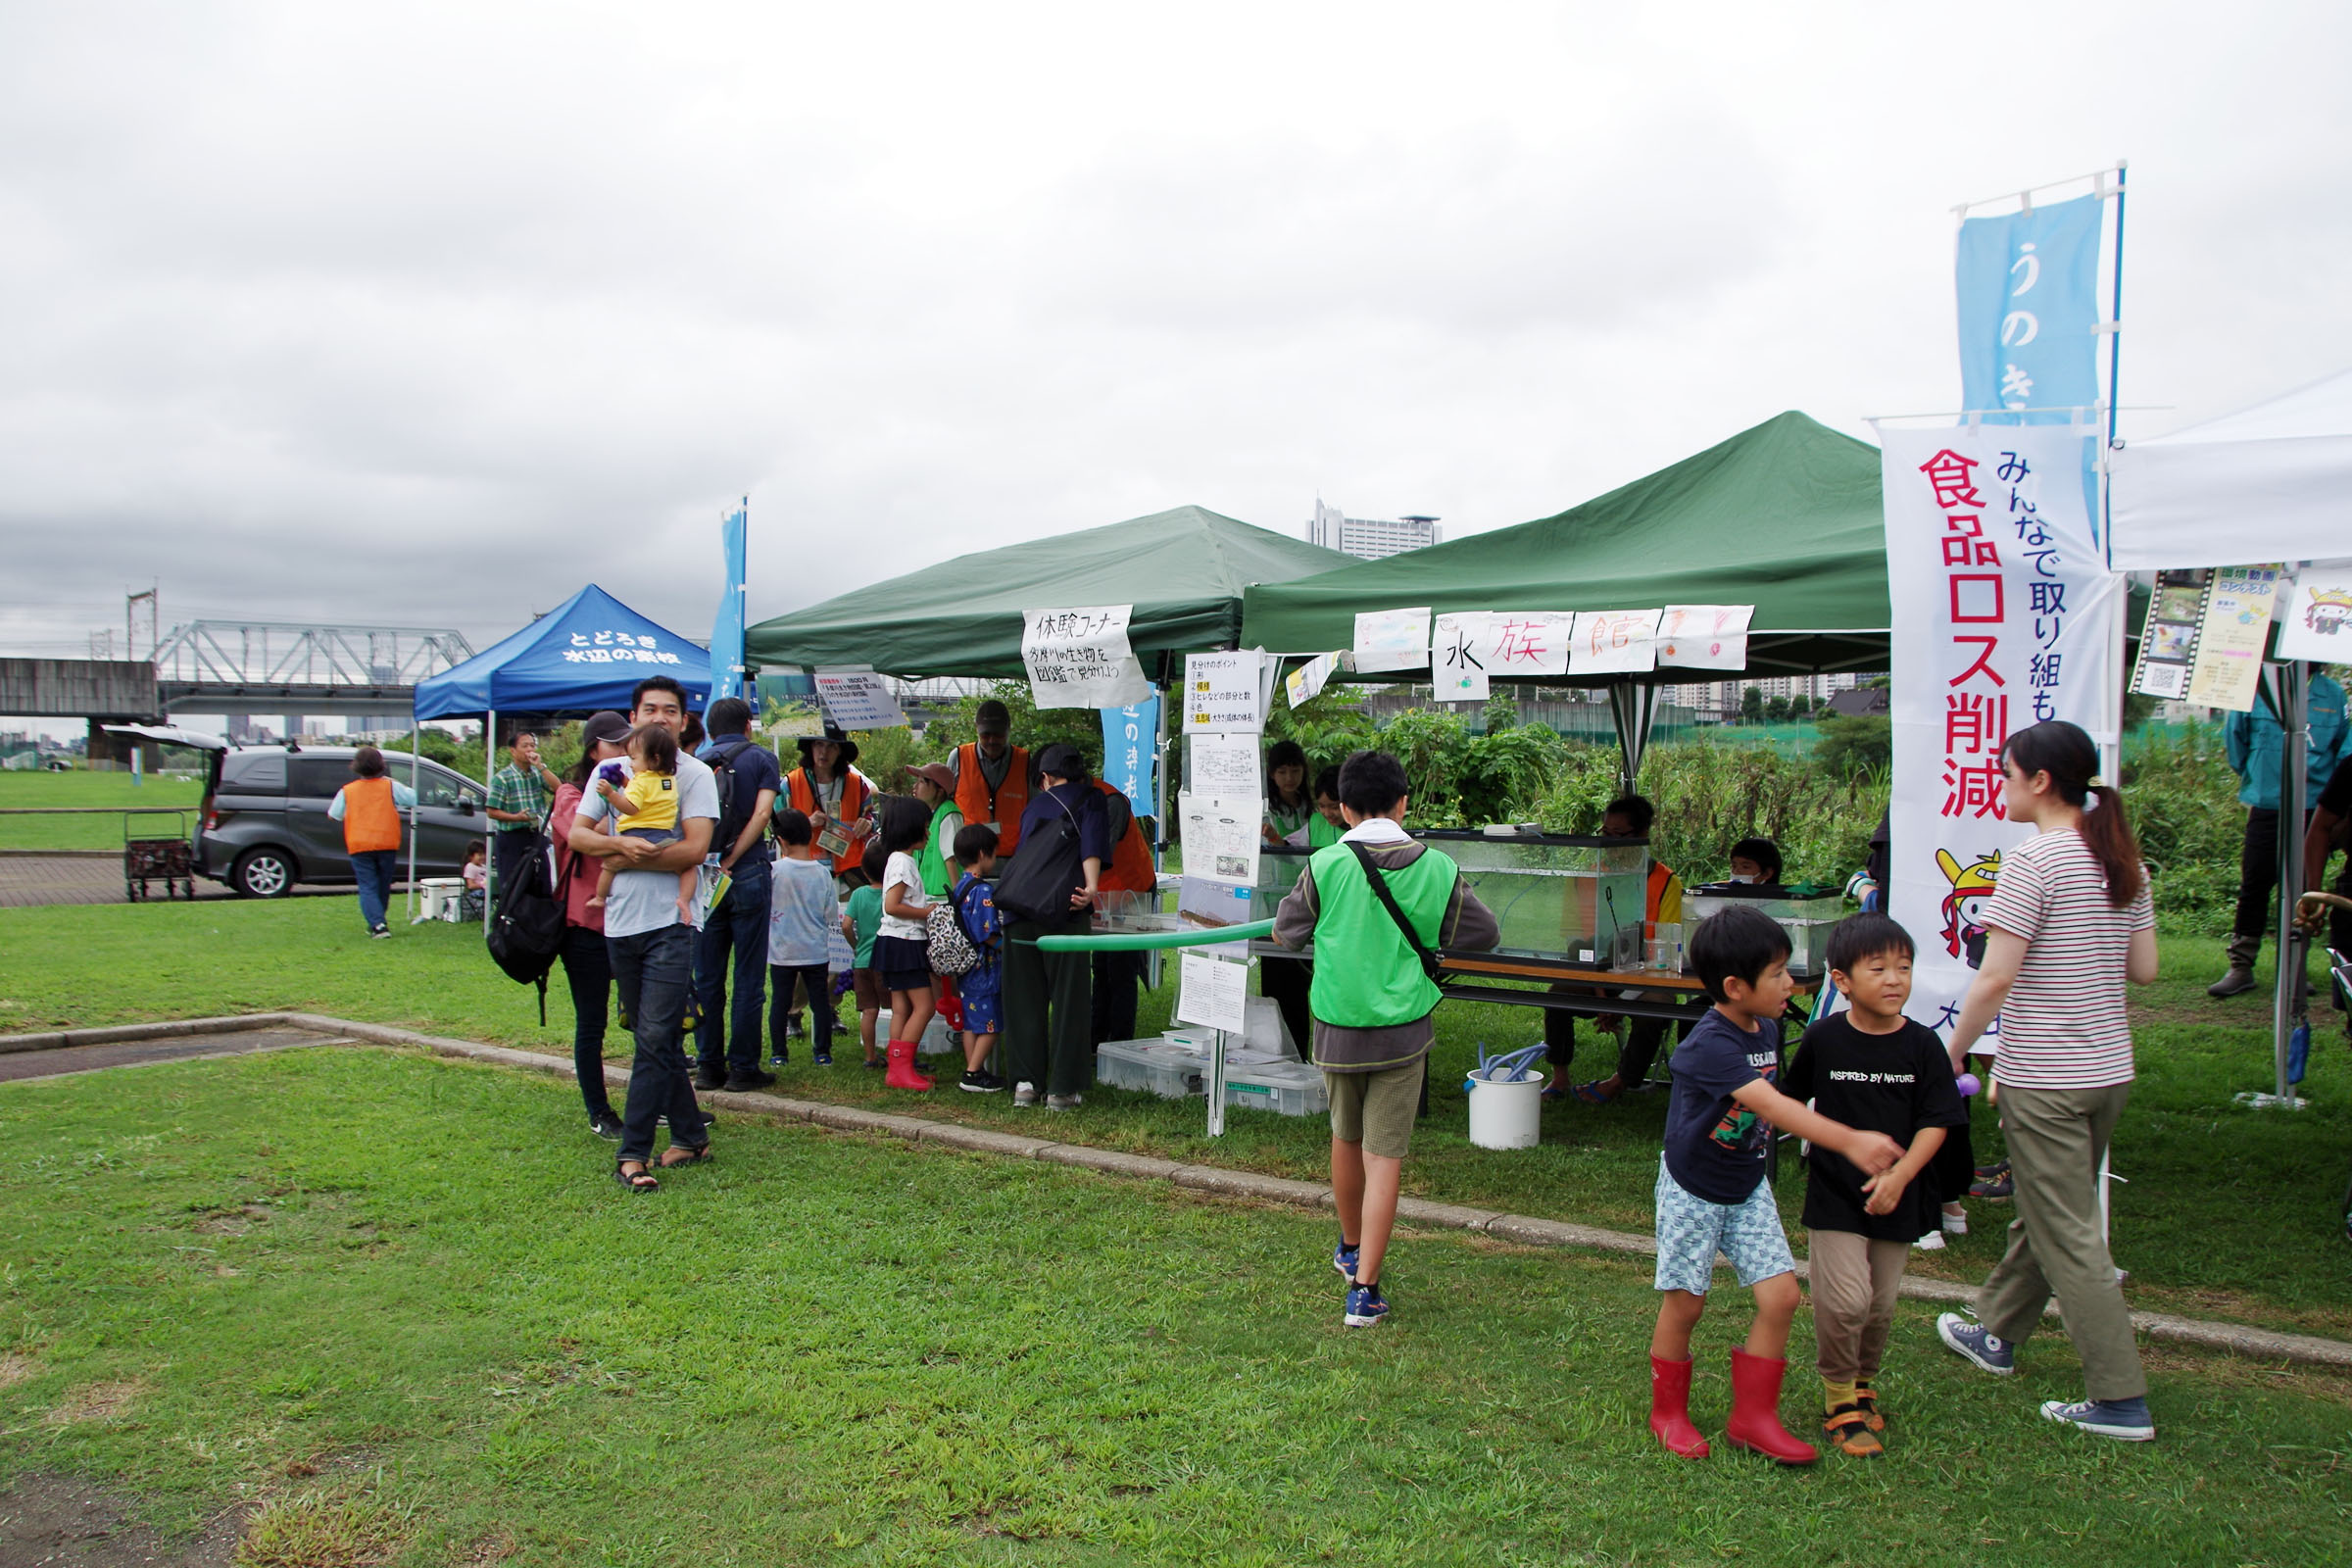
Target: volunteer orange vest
1005, 804
856, 790
1659, 877
371, 821
1130, 868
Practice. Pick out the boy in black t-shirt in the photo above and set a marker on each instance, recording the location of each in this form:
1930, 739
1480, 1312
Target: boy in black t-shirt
1869, 1067
1712, 1196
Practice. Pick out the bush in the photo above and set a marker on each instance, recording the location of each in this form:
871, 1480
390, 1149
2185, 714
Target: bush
1855, 748
2183, 796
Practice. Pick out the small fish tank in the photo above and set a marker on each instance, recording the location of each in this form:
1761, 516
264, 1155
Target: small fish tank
1806, 913
1556, 896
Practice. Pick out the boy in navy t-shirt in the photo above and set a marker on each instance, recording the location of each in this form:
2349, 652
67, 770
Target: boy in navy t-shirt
1712, 1196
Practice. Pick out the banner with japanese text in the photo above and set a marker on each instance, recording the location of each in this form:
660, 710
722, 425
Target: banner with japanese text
1131, 753
2028, 310
726, 627
2003, 616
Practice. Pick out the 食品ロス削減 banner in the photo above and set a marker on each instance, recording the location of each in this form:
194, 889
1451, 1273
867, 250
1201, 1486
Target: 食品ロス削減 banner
2029, 312
2003, 617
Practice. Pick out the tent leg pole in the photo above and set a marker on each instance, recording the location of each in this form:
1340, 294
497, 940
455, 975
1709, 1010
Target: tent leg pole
416, 800
489, 769
2294, 719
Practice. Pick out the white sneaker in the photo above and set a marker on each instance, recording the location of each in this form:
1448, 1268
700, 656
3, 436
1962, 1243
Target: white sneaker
1932, 1242
1955, 1224
1064, 1102
1024, 1093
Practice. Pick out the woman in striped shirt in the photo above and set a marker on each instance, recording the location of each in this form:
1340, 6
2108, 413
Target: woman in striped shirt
2069, 921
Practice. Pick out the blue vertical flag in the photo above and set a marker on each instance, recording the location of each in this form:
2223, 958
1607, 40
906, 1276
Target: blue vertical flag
1131, 753
2028, 310
726, 632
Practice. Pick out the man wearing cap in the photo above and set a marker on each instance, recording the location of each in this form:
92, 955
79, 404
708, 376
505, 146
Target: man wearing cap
992, 776
736, 929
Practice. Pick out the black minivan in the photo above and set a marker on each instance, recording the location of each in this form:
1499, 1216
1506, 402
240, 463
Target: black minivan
263, 827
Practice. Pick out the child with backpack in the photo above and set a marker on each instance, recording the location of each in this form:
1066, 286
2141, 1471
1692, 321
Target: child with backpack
800, 925
902, 945
982, 987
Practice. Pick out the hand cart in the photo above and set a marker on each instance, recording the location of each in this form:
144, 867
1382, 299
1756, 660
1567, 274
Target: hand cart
151, 855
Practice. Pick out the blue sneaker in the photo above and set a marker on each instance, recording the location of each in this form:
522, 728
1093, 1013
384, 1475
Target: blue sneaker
2124, 1420
1977, 1343
1365, 1305
1343, 1258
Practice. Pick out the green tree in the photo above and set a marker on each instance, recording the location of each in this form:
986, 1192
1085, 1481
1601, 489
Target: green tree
1752, 703
1854, 748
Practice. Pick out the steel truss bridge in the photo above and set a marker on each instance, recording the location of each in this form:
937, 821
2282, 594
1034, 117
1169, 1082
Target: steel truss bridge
214, 667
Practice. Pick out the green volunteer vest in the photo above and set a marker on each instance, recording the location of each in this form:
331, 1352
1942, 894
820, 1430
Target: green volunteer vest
1321, 833
930, 863
1366, 976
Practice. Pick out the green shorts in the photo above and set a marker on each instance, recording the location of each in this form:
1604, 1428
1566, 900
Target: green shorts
1376, 1108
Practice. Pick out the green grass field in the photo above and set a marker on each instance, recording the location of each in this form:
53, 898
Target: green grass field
112, 793
2227, 1211
393, 1304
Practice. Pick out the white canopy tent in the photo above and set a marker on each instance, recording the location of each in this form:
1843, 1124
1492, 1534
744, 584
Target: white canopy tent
2273, 482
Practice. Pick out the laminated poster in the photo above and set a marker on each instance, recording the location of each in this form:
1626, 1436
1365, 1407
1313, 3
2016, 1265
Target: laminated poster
1705, 636
1306, 683
1392, 639
2232, 637
1224, 766
797, 719
1081, 657
1460, 655
1213, 992
1209, 906
1614, 642
858, 698
1221, 837
2315, 614
1225, 692
2168, 638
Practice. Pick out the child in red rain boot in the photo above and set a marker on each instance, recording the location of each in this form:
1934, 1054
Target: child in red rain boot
1712, 1196
902, 949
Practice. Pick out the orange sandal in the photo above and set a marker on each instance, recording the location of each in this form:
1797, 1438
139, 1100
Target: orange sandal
1866, 1400
1849, 1432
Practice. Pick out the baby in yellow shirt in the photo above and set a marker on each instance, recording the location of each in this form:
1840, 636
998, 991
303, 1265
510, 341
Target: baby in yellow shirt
646, 807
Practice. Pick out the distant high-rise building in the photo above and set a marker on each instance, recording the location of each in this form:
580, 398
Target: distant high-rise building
1369, 538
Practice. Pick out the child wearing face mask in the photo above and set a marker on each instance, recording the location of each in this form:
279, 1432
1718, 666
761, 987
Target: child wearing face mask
1755, 862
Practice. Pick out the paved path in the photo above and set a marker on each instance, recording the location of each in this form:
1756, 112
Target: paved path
30, 880
61, 1061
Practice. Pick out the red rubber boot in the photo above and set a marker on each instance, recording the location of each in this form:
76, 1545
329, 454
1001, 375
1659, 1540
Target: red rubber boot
1670, 1408
1755, 1423
902, 1073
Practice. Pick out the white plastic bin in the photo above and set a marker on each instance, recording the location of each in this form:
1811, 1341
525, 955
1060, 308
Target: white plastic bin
1166, 1070
1506, 1115
1285, 1087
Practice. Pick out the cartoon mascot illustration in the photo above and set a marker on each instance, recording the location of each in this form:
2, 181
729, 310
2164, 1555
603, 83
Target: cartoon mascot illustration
1964, 906
2326, 609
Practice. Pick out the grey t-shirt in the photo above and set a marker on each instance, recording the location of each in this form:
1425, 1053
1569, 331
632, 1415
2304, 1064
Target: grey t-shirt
646, 901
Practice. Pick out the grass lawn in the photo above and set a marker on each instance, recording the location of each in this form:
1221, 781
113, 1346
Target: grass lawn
393, 1303
113, 792
2226, 1212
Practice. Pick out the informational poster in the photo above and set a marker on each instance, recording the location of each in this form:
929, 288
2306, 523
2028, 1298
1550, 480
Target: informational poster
1225, 691
1081, 657
2003, 616
2232, 636
1211, 906
2168, 637
858, 698
1392, 639
2315, 614
1461, 647
1614, 642
1213, 992
1226, 767
1705, 636
1306, 683
1221, 837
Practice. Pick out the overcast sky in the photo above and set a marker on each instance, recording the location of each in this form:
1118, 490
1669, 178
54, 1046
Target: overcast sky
425, 314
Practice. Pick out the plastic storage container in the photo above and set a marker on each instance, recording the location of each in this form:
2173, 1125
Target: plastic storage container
1285, 1087
1168, 1070
1808, 920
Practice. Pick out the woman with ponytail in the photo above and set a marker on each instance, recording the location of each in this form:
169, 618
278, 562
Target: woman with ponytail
2068, 923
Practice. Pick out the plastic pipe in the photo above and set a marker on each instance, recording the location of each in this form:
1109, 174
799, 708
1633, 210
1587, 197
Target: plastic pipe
1144, 941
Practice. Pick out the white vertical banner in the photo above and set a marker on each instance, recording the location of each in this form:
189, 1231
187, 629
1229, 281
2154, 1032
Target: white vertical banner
2003, 616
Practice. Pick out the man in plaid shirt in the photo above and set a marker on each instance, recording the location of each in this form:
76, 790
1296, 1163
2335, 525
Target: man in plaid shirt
518, 795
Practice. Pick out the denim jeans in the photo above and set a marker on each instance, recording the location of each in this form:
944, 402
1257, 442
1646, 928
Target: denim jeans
375, 871
588, 971
817, 980
654, 970
740, 924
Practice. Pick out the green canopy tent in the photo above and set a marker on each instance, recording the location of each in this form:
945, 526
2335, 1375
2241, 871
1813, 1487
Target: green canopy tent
1183, 571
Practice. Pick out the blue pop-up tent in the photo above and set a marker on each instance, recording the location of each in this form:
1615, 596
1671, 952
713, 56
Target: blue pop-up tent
586, 654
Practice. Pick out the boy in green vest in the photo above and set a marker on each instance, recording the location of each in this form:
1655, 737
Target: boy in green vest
1372, 1000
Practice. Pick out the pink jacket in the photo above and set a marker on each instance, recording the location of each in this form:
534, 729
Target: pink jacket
579, 870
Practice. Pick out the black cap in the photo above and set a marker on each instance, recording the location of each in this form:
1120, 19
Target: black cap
604, 726
1063, 760
991, 718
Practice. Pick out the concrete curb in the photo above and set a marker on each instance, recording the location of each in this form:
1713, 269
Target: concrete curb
2261, 1344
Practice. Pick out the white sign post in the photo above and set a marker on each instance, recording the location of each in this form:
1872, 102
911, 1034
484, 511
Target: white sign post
1081, 657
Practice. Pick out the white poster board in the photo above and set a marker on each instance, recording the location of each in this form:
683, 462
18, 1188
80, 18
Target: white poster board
1614, 642
1081, 657
1221, 837
1392, 639
1226, 767
858, 698
2315, 616
1213, 992
1225, 692
1705, 636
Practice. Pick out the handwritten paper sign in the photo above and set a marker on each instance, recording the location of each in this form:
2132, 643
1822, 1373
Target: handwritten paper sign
1213, 992
1614, 642
1080, 658
1705, 636
1461, 650
2315, 616
1225, 691
1222, 838
1526, 642
1306, 683
1392, 639
858, 698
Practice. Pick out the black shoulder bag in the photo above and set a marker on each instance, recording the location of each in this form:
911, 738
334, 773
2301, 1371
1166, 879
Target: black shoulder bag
1388, 901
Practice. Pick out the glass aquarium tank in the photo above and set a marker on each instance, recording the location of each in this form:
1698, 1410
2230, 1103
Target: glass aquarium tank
1806, 916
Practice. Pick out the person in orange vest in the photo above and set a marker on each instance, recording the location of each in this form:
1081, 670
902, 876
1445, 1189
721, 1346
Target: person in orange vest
1130, 871
1626, 817
992, 776
369, 808
832, 794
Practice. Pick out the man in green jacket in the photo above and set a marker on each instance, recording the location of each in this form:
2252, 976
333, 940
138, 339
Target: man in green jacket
1372, 1000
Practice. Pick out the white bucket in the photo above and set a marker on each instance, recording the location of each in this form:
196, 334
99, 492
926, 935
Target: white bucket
1506, 1115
